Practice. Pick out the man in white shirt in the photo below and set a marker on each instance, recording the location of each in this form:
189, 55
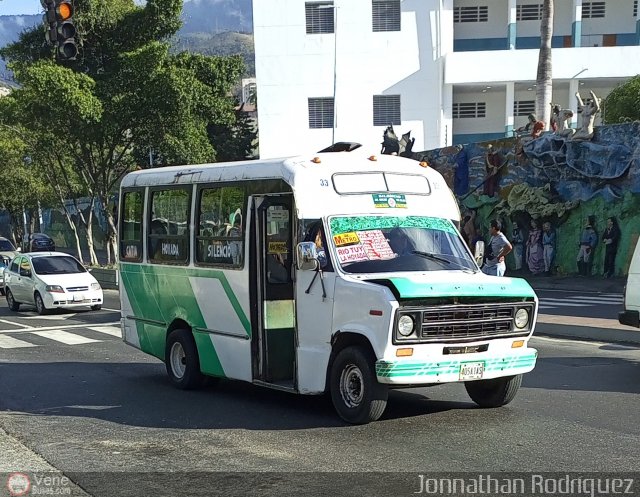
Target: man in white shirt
498, 248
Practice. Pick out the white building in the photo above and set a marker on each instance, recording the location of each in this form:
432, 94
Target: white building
449, 71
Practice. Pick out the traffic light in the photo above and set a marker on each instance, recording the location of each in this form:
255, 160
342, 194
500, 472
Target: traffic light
59, 28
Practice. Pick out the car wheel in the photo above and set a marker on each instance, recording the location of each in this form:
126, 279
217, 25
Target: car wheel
96, 307
13, 305
356, 394
40, 304
182, 362
496, 392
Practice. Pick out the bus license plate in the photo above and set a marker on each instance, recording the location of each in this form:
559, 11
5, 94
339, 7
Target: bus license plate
471, 370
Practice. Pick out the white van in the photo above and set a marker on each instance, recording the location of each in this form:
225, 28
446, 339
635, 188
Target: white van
335, 272
631, 314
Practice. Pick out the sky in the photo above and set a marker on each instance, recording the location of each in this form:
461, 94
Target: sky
23, 7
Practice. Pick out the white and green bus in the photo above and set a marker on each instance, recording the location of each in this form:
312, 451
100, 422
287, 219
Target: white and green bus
335, 272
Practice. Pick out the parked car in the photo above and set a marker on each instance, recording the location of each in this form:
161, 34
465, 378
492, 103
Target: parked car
4, 263
39, 242
49, 281
7, 249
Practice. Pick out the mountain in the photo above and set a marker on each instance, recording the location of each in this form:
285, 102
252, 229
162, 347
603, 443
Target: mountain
217, 16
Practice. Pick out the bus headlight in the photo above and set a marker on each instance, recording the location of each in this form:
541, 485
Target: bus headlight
522, 318
405, 325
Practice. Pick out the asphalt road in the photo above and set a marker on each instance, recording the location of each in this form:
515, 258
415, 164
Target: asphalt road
105, 415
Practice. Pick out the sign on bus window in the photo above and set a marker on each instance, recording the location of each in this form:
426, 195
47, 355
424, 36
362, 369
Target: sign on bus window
168, 237
220, 236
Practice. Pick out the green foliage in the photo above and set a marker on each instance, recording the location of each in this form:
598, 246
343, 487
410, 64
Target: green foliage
236, 142
93, 119
623, 103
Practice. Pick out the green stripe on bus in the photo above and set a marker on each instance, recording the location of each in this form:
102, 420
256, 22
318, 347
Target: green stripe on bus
164, 293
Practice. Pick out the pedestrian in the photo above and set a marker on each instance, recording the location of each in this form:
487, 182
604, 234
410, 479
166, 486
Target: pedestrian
517, 241
587, 244
497, 249
535, 257
611, 237
549, 247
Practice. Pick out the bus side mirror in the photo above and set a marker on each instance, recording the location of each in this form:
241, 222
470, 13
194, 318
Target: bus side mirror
479, 252
307, 256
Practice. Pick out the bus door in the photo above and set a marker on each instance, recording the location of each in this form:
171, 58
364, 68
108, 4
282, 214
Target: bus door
274, 345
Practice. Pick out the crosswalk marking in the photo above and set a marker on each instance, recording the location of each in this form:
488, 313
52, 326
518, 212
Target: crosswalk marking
63, 337
109, 330
580, 301
7, 342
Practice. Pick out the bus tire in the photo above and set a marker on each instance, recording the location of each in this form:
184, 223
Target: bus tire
181, 360
496, 392
356, 394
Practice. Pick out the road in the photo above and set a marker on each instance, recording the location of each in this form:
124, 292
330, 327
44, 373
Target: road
106, 416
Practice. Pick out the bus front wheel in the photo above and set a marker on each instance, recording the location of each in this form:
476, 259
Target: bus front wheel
181, 359
356, 394
496, 392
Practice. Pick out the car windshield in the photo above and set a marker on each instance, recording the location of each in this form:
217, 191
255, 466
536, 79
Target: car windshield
57, 265
6, 245
378, 244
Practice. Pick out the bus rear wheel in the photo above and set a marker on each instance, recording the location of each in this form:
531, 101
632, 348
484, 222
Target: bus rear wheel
181, 360
356, 394
496, 392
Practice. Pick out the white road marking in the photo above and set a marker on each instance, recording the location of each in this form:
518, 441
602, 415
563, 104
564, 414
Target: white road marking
15, 324
67, 327
13, 343
64, 337
109, 330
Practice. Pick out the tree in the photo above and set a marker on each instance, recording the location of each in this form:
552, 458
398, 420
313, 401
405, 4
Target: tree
623, 103
235, 142
94, 119
544, 81
23, 187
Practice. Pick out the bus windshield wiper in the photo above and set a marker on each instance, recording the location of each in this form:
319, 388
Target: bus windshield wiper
434, 257
429, 255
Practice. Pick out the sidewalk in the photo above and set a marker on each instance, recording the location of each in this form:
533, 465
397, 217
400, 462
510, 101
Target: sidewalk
584, 328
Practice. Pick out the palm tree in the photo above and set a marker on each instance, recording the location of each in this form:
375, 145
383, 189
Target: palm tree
544, 81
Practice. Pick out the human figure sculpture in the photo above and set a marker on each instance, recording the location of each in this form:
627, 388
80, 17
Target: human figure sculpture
559, 118
588, 109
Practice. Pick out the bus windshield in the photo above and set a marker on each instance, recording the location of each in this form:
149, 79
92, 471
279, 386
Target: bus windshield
379, 244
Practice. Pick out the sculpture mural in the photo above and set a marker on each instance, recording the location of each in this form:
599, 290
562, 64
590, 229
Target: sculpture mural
565, 178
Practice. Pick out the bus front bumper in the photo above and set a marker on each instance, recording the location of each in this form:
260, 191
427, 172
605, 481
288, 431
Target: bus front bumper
463, 367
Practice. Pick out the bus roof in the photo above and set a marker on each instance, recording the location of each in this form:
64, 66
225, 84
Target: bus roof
326, 183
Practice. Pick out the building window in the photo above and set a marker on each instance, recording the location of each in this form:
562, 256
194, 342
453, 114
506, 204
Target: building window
524, 107
591, 10
386, 15
320, 17
386, 110
471, 14
320, 113
466, 110
529, 12
635, 8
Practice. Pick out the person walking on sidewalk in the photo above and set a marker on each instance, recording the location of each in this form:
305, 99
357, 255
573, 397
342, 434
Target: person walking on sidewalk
549, 247
498, 248
611, 237
587, 245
